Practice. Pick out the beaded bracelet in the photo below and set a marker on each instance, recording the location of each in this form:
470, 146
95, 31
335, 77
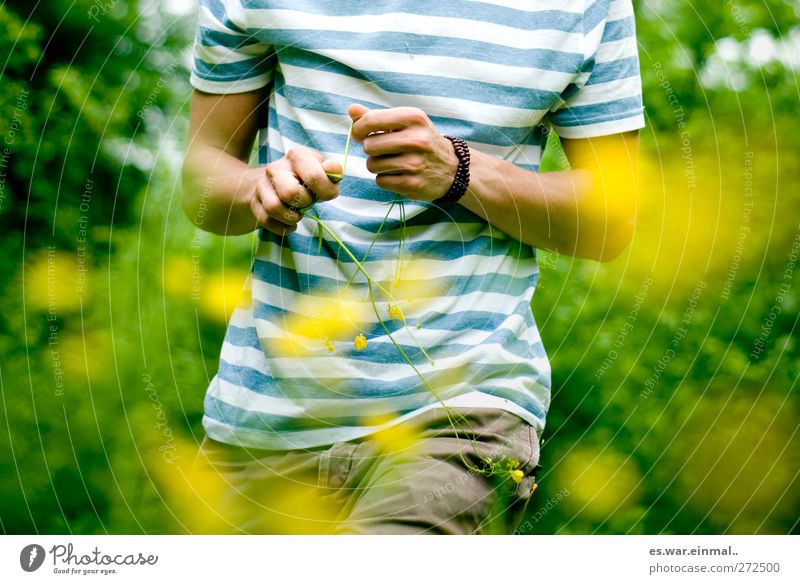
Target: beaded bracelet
461, 180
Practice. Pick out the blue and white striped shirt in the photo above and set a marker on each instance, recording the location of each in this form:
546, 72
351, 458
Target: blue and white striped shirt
496, 73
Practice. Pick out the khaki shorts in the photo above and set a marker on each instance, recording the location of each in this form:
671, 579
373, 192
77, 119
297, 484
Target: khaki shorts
410, 479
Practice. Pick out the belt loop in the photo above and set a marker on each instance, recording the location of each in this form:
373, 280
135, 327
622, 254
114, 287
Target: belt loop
336, 465
323, 477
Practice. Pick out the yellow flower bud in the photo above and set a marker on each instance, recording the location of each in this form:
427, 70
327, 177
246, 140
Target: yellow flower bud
395, 313
360, 342
517, 476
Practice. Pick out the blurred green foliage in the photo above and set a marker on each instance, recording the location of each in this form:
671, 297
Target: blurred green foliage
675, 405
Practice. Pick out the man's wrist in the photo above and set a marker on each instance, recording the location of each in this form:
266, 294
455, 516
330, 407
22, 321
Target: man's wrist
462, 174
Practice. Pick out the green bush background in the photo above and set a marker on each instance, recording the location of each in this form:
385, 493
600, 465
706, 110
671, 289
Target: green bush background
105, 355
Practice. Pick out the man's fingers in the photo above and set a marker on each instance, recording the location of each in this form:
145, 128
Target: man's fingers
356, 111
403, 163
257, 208
333, 170
274, 209
287, 187
410, 140
279, 228
404, 184
386, 120
309, 171
302, 151
290, 184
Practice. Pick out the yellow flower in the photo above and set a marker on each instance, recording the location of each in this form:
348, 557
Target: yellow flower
395, 313
417, 280
517, 476
319, 321
360, 342
397, 439
54, 282
222, 292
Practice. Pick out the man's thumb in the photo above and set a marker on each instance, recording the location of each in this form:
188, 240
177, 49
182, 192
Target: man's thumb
356, 111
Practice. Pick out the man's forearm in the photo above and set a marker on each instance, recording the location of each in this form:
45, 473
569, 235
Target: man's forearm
586, 212
562, 211
217, 191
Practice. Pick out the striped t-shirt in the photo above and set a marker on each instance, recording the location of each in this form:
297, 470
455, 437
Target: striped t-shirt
497, 73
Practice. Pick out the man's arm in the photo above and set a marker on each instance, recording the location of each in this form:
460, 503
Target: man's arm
222, 193
587, 211
218, 182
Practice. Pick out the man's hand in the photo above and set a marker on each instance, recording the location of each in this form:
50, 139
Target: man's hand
587, 211
405, 151
222, 193
292, 183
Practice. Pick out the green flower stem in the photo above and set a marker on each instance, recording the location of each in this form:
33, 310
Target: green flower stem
372, 243
340, 176
371, 281
357, 263
400, 254
447, 411
493, 467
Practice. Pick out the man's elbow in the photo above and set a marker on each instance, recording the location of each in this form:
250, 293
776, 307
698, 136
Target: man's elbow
613, 230
194, 196
617, 239
606, 239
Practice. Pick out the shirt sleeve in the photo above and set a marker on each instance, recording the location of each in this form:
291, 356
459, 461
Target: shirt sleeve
227, 58
606, 97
